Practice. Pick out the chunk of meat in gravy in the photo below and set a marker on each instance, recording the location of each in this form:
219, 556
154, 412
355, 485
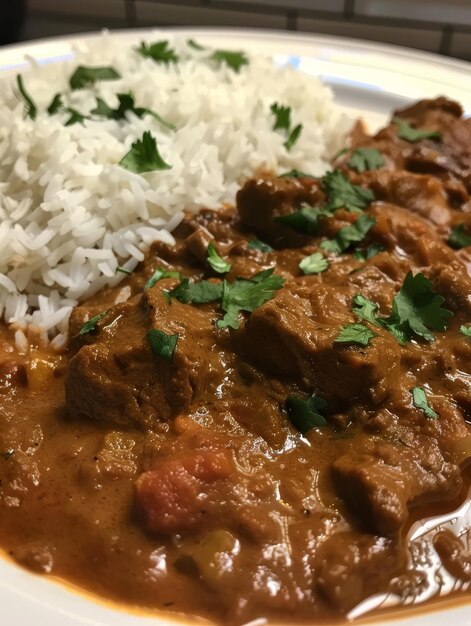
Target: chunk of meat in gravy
189, 483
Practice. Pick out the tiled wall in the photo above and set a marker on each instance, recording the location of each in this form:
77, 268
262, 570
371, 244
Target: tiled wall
442, 26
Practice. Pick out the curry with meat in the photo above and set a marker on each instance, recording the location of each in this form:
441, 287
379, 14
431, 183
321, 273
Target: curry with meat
249, 423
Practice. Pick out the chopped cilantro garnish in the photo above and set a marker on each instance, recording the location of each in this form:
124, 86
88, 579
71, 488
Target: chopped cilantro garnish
144, 156
293, 137
162, 345
123, 270
216, 262
31, 110
56, 104
458, 238
465, 330
413, 135
282, 116
296, 174
416, 310
158, 275
84, 76
371, 251
92, 323
256, 244
283, 122
314, 264
305, 414
365, 309
348, 235
197, 293
247, 295
342, 194
126, 104
419, 400
75, 116
305, 220
235, 60
160, 52
364, 159
355, 333
194, 44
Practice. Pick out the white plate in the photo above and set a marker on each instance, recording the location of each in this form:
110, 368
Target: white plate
369, 80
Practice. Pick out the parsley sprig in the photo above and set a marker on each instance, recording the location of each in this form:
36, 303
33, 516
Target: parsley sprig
420, 401
341, 193
126, 104
160, 52
314, 264
459, 238
306, 414
349, 235
216, 262
416, 311
31, 110
413, 135
162, 344
355, 333
144, 156
86, 76
364, 159
282, 121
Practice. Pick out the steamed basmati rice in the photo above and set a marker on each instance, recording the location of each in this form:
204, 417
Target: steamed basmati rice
69, 214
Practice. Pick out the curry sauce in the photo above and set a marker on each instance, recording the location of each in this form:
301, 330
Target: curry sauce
248, 424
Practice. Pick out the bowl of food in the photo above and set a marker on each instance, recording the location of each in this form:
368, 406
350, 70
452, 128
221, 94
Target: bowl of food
234, 355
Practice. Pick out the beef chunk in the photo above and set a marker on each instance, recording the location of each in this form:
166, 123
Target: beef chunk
116, 377
380, 486
297, 329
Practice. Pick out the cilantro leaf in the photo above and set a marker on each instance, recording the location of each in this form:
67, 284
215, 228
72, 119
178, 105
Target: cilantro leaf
355, 333
247, 295
235, 60
158, 275
144, 156
296, 174
293, 137
348, 235
126, 104
162, 345
365, 309
194, 44
216, 262
305, 220
305, 414
314, 264
197, 293
75, 117
341, 193
419, 400
458, 238
123, 270
84, 76
371, 251
56, 104
282, 116
416, 310
465, 330
92, 323
160, 52
413, 135
256, 244
364, 159
31, 110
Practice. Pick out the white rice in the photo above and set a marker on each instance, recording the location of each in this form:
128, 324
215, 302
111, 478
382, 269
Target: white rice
69, 214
